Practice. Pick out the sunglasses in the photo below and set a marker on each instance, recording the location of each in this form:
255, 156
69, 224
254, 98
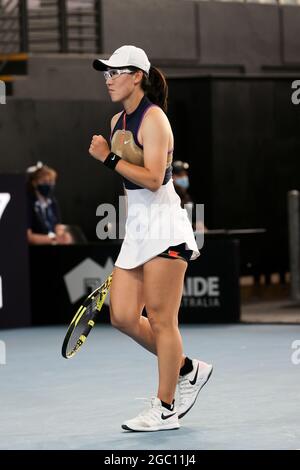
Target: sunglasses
114, 73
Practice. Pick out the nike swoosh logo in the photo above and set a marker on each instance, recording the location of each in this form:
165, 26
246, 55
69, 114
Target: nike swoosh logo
127, 141
113, 157
167, 417
192, 382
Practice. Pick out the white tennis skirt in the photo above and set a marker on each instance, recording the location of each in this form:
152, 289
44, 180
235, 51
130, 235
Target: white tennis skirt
155, 221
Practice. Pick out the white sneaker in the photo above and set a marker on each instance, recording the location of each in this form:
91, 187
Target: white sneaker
189, 385
155, 418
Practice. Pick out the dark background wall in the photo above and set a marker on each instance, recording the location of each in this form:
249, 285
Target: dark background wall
241, 138
14, 269
240, 135
290, 23
198, 33
232, 118
236, 33
59, 133
167, 30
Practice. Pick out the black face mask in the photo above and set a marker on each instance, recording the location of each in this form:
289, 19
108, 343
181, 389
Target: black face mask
45, 189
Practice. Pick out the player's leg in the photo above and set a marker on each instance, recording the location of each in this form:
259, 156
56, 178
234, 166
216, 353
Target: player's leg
163, 286
126, 306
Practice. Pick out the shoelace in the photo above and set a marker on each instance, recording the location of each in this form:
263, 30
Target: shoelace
146, 410
185, 389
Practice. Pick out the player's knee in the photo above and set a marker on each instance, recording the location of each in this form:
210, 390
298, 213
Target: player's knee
161, 323
121, 320
118, 322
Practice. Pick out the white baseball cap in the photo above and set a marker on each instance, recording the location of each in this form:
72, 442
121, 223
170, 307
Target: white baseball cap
125, 56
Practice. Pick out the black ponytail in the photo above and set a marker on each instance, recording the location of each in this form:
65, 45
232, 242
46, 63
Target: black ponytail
156, 88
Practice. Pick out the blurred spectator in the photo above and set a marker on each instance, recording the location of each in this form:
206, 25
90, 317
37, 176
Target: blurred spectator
44, 227
181, 185
181, 181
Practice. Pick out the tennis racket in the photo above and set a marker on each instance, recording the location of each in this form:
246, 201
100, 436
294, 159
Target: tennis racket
84, 320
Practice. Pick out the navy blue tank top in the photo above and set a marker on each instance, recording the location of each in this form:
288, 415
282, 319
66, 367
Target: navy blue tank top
124, 141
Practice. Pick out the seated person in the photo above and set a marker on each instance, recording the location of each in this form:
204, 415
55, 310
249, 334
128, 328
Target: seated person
44, 227
181, 185
181, 181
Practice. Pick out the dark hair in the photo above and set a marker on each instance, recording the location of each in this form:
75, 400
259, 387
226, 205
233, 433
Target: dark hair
36, 172
155, 86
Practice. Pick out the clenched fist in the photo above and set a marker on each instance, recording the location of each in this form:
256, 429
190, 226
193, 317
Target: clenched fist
99, 148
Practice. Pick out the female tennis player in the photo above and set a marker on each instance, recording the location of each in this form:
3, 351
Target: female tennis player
159, 240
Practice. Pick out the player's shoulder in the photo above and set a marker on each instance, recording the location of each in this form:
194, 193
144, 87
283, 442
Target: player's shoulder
154, 110
154, 114
114, 119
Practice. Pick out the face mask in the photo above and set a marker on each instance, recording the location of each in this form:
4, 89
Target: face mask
45, 189
183, 182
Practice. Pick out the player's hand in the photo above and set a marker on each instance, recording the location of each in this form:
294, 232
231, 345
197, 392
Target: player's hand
64, 239
99, 148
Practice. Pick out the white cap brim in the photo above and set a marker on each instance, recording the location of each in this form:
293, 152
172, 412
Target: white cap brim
105, 64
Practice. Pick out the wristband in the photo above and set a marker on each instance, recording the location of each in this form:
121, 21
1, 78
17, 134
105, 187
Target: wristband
111, 160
